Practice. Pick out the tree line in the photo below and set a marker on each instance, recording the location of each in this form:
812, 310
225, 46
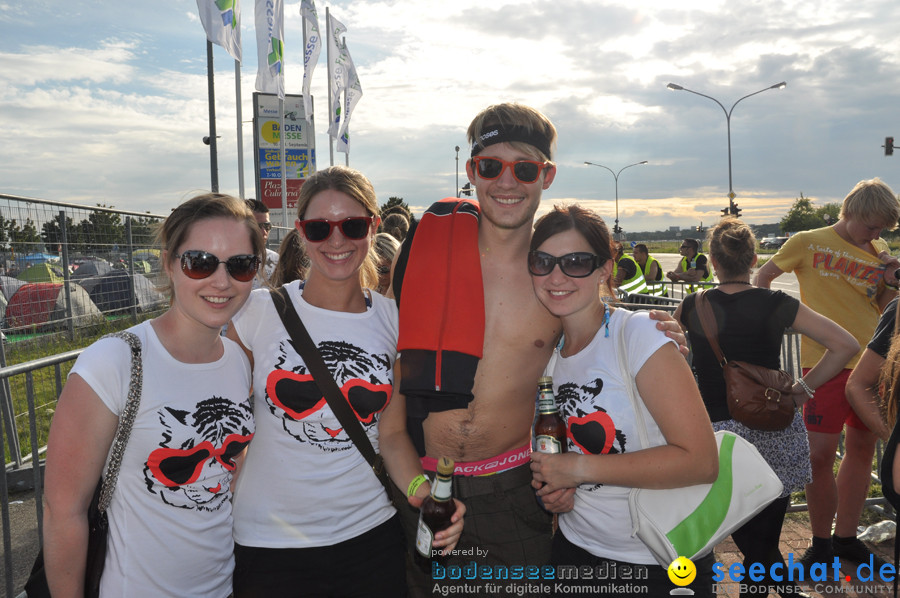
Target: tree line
99, 232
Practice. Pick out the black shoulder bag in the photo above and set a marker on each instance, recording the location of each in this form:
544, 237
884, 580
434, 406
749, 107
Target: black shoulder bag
325, 381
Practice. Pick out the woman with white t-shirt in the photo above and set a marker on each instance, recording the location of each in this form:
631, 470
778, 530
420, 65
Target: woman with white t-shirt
571, 264
311, 518
170, 518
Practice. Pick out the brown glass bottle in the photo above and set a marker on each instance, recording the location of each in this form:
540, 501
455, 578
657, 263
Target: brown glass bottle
549, 430
435, 514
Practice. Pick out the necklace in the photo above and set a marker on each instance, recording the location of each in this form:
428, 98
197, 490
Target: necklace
561, 346
746, 282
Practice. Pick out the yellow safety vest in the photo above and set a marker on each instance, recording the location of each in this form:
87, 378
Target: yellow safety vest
693, 288
635, 284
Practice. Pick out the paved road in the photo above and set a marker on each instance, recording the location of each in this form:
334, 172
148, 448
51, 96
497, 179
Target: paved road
787, 282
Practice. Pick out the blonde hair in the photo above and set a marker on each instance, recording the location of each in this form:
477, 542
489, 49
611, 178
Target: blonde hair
354, 184
874, 201
172, 232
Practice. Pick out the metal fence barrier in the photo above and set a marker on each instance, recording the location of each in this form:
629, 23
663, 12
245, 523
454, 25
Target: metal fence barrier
34, 386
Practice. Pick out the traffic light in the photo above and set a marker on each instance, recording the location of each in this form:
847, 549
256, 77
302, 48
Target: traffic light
888, 146
467, 190
725, 211
735, 210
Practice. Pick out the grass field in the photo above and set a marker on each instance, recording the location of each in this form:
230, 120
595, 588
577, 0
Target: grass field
44, 385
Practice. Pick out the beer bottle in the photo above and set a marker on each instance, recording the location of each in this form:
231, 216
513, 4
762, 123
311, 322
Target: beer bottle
549, 432
437, 509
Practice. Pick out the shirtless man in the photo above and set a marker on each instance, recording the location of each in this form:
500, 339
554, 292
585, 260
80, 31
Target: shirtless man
504, 524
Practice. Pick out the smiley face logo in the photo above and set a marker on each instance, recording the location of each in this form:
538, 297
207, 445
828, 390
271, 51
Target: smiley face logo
682, 571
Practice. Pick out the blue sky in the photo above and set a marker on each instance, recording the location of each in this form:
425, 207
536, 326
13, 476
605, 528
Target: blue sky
105, 101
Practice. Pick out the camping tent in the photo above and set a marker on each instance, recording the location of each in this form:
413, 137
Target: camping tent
35, 258
43, 304
91, 268
42, 273
9, 285
112, 291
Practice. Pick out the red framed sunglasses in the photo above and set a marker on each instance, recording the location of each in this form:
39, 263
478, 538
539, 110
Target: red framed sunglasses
354, 228
175, 467
524, 171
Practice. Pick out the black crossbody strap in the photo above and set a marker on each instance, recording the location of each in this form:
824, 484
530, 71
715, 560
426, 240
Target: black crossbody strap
326, 383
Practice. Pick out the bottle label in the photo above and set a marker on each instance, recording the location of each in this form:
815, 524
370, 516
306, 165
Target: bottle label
546, 402
547, 444
424, 539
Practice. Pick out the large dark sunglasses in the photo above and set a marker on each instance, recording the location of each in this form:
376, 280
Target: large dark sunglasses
198, 265
577, 265
525, 171
354, 228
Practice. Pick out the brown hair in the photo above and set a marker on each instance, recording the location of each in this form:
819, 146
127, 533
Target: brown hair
512, 114
732, 244
356, 186
172, 232
292, 260
574, 217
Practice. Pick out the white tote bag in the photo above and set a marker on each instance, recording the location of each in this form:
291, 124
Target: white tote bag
691, 520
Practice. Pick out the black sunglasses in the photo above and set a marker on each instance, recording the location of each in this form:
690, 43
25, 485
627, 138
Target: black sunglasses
266, 226
525, 171
198, 265
354, 228
577, 265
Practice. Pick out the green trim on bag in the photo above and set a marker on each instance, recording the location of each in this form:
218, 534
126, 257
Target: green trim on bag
695, 530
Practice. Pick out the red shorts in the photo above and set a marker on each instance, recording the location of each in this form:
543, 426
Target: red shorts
829, 410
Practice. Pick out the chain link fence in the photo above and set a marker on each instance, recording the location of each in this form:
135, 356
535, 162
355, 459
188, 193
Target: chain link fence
68, 274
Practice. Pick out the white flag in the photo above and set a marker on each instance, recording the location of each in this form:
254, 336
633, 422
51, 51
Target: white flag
337, 71
222, 21
270, 46
352, 93
311, 53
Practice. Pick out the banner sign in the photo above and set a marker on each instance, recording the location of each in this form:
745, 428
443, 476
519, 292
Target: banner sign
299, 158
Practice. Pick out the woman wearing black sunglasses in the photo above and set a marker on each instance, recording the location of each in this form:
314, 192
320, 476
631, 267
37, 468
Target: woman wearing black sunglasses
571, 265
170, 518
310, 517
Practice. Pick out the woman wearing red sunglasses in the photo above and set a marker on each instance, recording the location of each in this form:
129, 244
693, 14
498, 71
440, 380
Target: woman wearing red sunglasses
170, 518
310, 516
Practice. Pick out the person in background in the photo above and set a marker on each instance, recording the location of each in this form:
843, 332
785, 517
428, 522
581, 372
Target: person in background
170, 519
751, 324
841, 276
310, 516
386, 246
627, 274
571, 267
652, 270
292, 260
693, 267
261, 213
396, 225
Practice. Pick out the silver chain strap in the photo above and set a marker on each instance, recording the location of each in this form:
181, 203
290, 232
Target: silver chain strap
126, 420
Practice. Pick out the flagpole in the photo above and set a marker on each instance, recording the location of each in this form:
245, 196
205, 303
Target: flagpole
213, 157
240, 131
328, 35
306, 116
284, 218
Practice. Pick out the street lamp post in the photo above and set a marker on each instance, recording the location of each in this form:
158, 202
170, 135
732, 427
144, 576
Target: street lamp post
457, 171
616, 228
731, 205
